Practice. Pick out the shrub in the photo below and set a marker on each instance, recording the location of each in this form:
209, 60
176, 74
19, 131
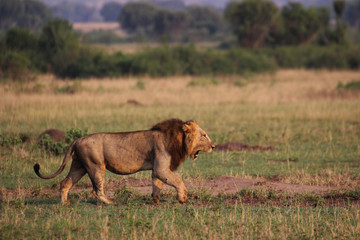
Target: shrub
354, 85
251, 61
74, 133
16, 66
70, 88
59, 148
9, 140
49, 146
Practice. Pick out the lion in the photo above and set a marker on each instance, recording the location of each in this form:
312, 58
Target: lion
160, 149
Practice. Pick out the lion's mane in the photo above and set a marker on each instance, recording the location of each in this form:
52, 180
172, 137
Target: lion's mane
175, 140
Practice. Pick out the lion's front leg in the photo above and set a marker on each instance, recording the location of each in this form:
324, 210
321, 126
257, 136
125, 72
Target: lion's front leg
171, 179
156, 188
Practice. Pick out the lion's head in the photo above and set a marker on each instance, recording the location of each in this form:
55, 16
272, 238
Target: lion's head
196, 140
183, 139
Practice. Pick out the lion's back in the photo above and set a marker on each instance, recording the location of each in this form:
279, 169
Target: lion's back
122, 153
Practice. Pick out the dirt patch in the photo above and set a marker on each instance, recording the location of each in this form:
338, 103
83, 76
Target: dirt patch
215, 186
235, 146
54, 134
226, 184
134, 102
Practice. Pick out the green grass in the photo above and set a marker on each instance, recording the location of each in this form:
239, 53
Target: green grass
170, 220
316, 143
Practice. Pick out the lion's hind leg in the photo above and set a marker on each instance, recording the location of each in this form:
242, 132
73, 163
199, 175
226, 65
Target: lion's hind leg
97, 176
77, 171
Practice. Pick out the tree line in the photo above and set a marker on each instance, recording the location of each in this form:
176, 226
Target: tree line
58, 50
269, 38
253, 23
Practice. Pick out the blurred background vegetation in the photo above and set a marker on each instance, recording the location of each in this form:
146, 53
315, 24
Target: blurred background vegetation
247, 36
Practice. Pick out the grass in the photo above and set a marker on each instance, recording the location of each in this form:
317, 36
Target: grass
300, 113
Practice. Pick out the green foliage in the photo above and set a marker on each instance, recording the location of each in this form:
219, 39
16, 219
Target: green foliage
252, 21
316, 57
6, 141
137, 16
74, 133
259, 23
18, 39
58, 38
154, 22
301, 25
58, 50
140, 85
354, 85
49, 146
70, 88
59, 148
203, 82
29, 14
15, 66
339, 7
110, 11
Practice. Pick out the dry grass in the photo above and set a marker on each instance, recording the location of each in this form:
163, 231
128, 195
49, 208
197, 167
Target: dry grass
285, 86
86, 27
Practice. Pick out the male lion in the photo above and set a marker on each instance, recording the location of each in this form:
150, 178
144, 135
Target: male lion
161, 149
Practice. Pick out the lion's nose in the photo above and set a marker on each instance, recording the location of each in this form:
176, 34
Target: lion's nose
213, 146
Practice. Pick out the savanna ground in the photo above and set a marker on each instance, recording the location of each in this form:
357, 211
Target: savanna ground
305, 186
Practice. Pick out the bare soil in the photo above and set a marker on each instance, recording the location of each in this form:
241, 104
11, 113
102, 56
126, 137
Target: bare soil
236, 146
216, 186
225, 185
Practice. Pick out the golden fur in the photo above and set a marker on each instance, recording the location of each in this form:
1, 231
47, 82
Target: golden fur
161, 149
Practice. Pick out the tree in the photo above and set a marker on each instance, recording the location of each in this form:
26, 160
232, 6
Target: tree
57, 37
20, 40
204, 18
138, 16
111, 11
252, 21
168, 23
301, 25
29, 14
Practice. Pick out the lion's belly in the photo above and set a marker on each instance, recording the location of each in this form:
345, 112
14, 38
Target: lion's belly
125, 157
127, 167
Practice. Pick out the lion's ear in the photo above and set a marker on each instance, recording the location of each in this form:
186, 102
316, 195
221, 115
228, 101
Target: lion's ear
186, 128
189, 126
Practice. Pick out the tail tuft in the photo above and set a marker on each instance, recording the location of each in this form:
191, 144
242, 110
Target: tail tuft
37, 168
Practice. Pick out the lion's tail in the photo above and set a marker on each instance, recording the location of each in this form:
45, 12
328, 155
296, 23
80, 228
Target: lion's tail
62, 167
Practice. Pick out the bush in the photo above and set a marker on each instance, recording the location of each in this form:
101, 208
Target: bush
74, 133
16, 66
49, 146
59, 148
70, 88
9, 140
251, 61
354, 85
316, 57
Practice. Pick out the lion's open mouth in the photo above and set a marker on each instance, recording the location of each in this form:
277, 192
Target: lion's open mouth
194, 157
